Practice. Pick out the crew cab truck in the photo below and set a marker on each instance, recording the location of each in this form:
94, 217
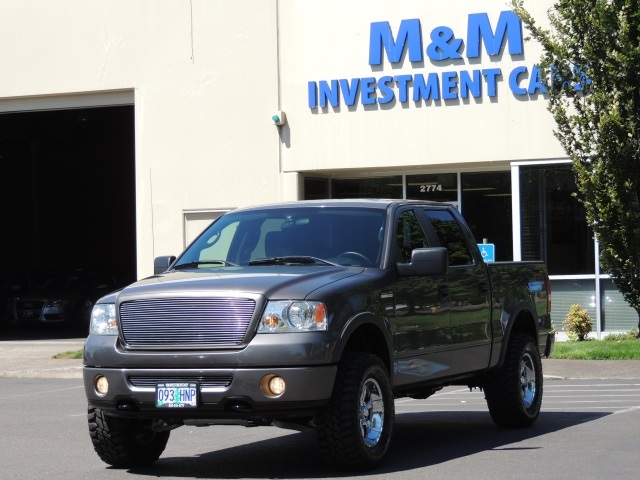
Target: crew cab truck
315, 315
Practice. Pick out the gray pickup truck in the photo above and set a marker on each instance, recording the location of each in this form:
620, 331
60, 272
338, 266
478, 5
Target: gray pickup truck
315, 315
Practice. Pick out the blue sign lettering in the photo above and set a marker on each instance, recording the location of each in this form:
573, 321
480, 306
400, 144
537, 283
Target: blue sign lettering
349, 91
469, 83
479, 29
426, 91
381, 36
407, 42
535, 83
444, 45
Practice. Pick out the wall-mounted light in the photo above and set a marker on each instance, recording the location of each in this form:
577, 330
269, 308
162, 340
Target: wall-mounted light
279, 118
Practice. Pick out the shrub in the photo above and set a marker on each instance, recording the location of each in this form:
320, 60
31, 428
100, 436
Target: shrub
577, 323
618, 337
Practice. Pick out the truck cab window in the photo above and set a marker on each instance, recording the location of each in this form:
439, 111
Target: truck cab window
451, 237
409, 235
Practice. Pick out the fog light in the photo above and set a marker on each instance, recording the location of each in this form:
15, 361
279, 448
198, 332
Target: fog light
272, 385
277, 385
102, 385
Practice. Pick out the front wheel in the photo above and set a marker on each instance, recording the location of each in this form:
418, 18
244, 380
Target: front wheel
514, 392
125, 443
355, 428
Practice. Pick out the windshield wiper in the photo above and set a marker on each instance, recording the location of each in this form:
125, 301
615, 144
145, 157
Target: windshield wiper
204, 262
291, 260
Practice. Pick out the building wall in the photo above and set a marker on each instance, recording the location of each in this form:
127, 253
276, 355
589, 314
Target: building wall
204, 78
332, 42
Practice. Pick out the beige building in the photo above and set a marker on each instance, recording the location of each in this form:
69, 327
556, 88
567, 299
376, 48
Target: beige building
129, 126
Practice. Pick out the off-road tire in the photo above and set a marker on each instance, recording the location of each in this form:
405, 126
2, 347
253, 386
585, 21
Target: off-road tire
348, 427
514, 391
124, 443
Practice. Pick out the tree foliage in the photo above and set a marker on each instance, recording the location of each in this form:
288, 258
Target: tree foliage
591, 60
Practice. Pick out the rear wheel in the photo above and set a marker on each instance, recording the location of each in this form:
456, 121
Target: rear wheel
125, 443
355, 428
514, 392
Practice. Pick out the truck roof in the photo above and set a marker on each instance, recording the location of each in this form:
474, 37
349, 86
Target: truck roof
376, 203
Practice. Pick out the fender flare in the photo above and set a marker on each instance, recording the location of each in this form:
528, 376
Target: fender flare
509, 323
382, 327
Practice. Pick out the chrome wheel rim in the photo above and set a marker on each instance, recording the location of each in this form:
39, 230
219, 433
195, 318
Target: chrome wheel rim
371, 412
527, 380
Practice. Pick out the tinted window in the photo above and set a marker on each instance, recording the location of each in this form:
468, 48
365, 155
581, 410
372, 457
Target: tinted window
451, 236
347, 236
553, 223
409, 235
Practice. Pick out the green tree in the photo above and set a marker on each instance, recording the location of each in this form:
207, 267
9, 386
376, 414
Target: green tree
591, 60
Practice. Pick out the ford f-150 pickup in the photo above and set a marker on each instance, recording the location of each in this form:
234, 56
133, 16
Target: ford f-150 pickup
315, 315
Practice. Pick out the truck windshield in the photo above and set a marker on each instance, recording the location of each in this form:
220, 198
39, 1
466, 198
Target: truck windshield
318, 235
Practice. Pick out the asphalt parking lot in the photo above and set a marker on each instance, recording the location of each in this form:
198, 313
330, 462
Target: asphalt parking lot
587, 429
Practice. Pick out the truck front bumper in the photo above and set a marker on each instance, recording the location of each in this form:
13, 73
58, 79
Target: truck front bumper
222, 393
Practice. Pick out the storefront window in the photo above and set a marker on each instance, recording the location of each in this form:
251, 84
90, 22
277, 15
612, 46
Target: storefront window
565, 293
617, 315
316, 188
553, 223
441, 187
370, 187
486, 206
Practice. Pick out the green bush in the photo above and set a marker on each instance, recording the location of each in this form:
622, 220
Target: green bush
577, 323
618, 337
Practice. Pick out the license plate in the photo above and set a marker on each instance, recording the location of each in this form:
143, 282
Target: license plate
27, 313
176, 395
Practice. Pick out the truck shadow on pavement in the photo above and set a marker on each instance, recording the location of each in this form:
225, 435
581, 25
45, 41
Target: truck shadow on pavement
420, 440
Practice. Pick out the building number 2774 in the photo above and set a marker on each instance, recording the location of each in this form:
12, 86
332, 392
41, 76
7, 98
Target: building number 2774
432, 187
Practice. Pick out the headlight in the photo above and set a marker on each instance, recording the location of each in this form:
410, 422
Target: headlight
103, 319
292, 316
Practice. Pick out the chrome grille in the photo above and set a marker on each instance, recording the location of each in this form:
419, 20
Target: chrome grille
186, 322
208, 381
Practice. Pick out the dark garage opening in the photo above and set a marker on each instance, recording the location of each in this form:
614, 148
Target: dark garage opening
67, 199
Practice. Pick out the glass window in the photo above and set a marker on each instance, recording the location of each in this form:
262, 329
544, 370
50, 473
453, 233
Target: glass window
370, 187
617, 315
440, 187
486, 207
316, 188
565, 293
450, 236
347, 236
553, 223
409, 235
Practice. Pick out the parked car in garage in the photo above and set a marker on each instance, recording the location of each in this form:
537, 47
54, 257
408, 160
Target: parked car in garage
65, 298
12, 283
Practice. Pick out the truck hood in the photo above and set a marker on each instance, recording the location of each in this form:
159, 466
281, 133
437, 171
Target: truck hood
273, 282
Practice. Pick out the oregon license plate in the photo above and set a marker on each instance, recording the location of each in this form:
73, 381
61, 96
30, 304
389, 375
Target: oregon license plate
176, 395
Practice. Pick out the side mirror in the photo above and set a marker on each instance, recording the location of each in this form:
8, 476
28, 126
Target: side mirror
161, 264
425, 261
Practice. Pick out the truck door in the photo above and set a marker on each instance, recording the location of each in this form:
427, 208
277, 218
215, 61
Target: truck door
422, 325
468, 294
